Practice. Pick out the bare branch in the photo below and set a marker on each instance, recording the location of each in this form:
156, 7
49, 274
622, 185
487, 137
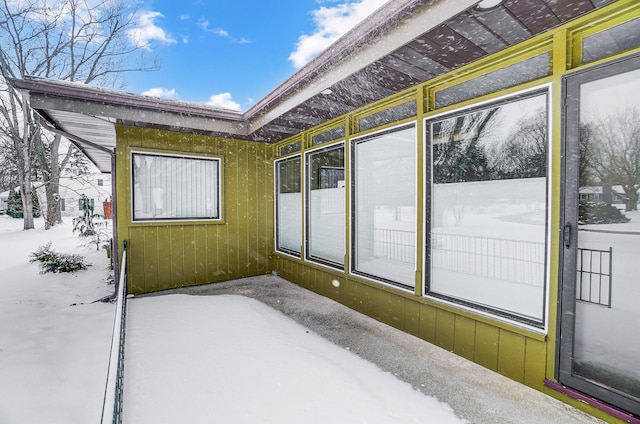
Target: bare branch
73, 40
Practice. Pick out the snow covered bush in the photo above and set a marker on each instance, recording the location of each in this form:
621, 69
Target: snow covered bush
52, 261
600, 213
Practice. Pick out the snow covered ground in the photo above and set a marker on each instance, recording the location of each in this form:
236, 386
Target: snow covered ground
231, 359
188, 359
54, 342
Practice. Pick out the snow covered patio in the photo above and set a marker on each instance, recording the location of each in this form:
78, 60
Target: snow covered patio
232, 359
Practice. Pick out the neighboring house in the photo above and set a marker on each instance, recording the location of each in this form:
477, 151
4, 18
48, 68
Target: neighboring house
4, 197
613, 195
591, 193
96, 186
423, 171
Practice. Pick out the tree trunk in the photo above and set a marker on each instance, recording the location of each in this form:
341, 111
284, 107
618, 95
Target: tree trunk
50, 168
53, 215
24, 176
632, 199
52, 183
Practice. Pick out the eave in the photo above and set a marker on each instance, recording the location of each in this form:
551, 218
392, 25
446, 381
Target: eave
402, 44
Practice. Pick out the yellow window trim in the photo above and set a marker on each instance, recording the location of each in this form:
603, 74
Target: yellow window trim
382, 105
608, 17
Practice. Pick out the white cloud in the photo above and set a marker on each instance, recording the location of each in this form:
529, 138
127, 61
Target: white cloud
163, 93
147, 31
204, 24
223, 100
331, 24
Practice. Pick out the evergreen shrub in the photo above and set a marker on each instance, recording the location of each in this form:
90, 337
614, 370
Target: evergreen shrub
52, 261
590, 212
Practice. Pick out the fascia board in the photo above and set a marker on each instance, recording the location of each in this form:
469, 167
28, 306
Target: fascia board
420, 22
136, 113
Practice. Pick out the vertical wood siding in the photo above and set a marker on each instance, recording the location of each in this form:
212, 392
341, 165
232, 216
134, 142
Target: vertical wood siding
168, 255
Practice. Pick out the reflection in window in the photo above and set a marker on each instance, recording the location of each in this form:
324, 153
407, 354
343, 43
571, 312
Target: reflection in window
329, 135
175, 188
510, 76
608, 241
288, 206
488, 207
385, 206
611, 41
386, 116
290, 148
326, 205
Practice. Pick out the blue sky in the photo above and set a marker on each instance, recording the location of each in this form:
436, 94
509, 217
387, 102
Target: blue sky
231, 53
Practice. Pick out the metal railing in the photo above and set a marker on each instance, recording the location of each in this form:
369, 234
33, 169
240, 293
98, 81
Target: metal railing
594, 280
396, 245
113, 393
515, 261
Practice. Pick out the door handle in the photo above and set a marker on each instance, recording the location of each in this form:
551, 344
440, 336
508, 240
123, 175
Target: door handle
567, 235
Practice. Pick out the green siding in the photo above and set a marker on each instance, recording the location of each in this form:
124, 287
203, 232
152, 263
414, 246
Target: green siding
168, 255
486, 345
427, 330
445, 329
534, 363
464, 342
511, 354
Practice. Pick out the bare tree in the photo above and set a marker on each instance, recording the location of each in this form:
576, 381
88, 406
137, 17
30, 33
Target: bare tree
8, 166
74, 40
17, 122
458, 154
524, 152
614, 152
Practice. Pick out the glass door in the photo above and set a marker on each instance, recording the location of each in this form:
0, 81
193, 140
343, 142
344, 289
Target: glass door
600, 320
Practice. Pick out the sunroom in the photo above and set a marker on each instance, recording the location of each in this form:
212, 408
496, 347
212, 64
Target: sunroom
425, 170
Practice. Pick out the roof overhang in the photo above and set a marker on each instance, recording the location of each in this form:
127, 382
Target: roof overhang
402, 44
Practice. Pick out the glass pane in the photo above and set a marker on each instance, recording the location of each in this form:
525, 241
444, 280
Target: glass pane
395, 113
607, 315
521, 72
385, 201
488, 207
166, 187
611, 41
326, 205
289, 206
290, 148
329, 135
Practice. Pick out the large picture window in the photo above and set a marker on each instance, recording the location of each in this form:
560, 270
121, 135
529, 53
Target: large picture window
326, 205
488, 207
384, 206
175, 187
288, 206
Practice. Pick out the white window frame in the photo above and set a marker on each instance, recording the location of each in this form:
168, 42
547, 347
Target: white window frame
353, 205
276, 191
306, 202
217, 194
495, 314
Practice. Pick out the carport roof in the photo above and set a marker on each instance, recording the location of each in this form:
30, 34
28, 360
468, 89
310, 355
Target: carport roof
402, 44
